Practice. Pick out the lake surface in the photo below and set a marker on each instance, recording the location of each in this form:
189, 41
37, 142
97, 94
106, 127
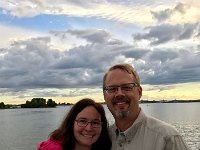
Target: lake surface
23, 129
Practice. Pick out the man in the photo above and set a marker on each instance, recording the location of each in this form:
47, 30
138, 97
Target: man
133, 130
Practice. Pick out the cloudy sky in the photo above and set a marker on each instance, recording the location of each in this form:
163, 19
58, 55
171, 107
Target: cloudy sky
61, 49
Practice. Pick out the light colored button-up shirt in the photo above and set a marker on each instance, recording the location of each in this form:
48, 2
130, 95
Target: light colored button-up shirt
147, 133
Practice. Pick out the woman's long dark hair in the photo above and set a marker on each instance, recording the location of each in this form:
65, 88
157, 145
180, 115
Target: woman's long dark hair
65, 132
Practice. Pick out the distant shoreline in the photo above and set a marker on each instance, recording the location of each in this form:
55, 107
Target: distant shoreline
169, 101
10, 106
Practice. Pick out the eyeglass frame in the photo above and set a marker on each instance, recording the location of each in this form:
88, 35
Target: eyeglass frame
88, 122
116, 87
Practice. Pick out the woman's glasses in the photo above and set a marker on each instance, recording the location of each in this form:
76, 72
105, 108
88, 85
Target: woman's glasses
84, 122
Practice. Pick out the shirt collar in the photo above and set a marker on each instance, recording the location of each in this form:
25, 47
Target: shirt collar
130, 132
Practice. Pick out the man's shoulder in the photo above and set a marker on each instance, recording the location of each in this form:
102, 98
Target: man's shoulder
159, 126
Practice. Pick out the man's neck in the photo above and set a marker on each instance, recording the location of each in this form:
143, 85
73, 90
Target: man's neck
124, 123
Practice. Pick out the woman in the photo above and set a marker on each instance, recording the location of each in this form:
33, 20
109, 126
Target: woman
84, 128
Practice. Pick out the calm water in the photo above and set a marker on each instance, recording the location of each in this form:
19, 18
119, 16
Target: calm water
23, 129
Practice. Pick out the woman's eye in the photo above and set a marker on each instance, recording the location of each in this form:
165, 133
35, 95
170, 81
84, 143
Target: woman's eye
82, 121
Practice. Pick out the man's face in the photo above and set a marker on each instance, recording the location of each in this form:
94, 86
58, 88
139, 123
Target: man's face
123, 96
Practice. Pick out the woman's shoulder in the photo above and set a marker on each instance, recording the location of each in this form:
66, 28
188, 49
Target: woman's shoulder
50, 144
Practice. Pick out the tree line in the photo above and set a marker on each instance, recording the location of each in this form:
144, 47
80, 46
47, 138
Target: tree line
39, 103
3, 106
34, 103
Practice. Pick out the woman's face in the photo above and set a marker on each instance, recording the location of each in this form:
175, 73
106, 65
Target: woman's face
87, 127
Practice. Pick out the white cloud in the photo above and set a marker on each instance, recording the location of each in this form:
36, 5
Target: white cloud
138, 13
12, 34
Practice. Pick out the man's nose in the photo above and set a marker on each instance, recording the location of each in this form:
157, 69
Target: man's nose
119, 91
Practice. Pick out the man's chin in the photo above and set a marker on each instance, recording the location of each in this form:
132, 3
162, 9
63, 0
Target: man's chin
120, 114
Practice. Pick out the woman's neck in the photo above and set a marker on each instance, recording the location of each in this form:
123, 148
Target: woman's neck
81, 147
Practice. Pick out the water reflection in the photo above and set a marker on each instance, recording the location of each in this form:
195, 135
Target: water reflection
23, 129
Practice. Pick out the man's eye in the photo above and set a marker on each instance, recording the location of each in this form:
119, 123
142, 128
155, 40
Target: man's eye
126, 88
112, 89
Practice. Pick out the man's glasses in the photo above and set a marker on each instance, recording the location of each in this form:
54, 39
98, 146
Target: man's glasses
84, 122
127, 87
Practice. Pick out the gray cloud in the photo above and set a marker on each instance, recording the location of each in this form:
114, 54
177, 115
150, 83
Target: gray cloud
167, 13
173, 67
160, 87
32, 65
87, 3
162, 15
165, 32
100, 36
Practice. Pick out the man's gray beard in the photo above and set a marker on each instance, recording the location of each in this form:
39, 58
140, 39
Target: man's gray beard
121, 113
